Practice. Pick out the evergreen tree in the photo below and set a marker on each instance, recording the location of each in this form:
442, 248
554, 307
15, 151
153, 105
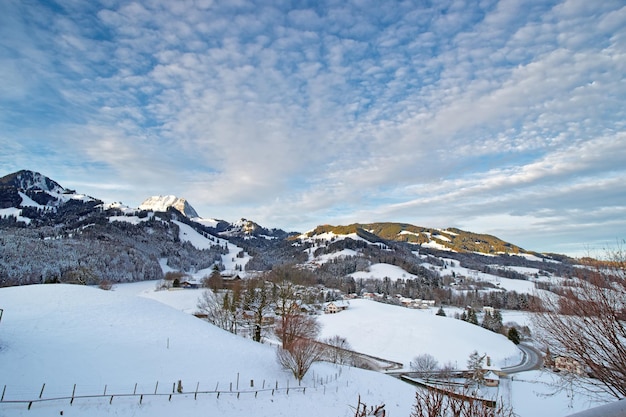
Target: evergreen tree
487, 321
440, 312
475, 367
497, 321
513, 335
471, 316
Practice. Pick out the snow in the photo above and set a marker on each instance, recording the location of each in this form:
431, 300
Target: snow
517, 285
189, 234
159, 203
60, 335
206, 222
435, 245
130, 219
232, 264
345, 253
162, 203
369, 327
330, 237
14, 212
442, 237
535, 393
27, 201
529, 257
383, 270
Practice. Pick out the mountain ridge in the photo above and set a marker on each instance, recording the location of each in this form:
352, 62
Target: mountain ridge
63, 236
46, 192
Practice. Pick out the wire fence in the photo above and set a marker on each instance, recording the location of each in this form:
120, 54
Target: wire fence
163, 390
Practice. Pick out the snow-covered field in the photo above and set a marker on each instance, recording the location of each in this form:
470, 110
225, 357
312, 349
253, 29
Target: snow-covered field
399, 334
61, 335
114, 341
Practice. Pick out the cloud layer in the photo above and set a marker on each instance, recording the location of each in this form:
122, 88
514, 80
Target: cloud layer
503, 117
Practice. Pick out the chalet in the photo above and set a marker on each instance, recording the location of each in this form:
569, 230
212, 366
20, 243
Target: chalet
567, 364
230, 281
189, 283
335, 307
491, 379
416, 303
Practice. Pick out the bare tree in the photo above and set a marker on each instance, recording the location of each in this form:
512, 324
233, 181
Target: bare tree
294, 325
298, 332
338, 350
216, 312
361, 410
424, 364
300, 356
586, 323
430, 402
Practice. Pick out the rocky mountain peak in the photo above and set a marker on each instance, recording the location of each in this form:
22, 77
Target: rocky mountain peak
26, 180
162, 203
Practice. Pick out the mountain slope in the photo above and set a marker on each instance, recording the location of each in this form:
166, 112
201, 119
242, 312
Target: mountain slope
52, 234
445, 239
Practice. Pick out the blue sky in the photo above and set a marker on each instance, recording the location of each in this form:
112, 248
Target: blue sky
500, 117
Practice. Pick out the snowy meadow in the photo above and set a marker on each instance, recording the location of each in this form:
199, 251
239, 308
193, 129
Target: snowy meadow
107, 348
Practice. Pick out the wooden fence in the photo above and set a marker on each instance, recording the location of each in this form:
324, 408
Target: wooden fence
176, 391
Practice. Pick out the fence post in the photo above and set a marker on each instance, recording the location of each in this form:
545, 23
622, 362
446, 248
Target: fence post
105, 390
196, 393
156, 388
237, 381
41, 392
135, 390
3, 390
73, 392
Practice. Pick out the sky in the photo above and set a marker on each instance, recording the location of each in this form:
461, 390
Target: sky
501, 117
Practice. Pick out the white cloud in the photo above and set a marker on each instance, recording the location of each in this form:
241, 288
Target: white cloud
360, 111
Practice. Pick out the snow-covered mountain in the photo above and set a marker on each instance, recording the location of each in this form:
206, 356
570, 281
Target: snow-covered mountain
54, 234
163, 202
29, 180
32, 189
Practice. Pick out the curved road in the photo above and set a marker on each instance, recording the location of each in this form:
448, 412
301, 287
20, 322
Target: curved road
532, 359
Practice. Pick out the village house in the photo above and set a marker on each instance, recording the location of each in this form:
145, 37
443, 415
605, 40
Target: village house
335, 307
567, 364
190, 282
488, 309
491, 379
415, 303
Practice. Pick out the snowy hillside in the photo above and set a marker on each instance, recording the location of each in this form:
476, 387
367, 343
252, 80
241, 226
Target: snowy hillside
399, 334
234, 261
124, 341
61, 335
